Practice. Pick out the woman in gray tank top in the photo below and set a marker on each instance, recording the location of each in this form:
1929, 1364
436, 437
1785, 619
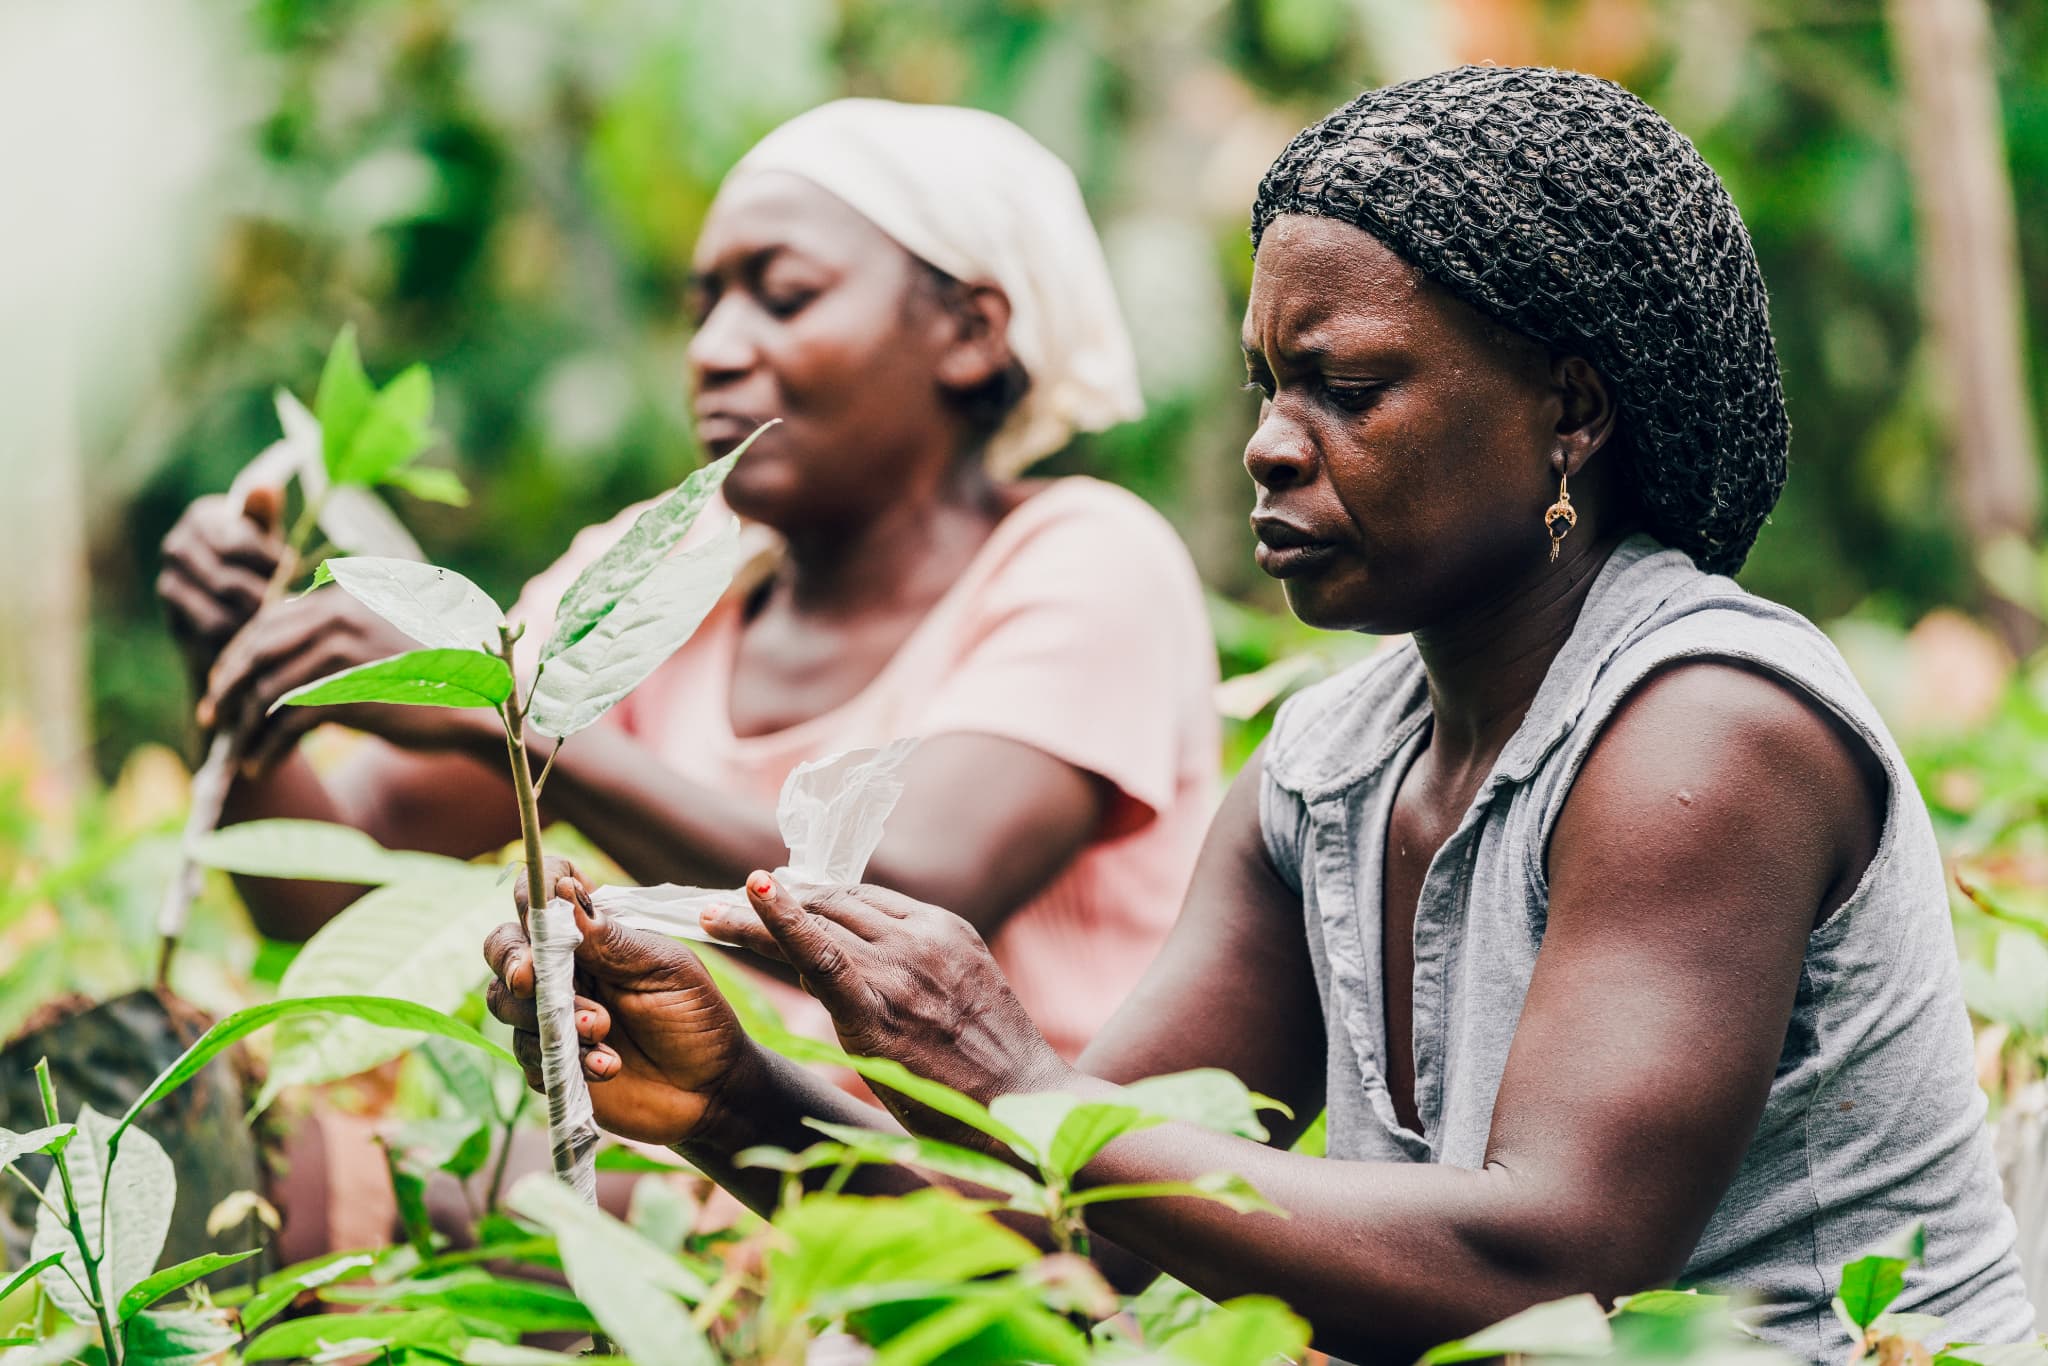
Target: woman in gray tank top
1601, 913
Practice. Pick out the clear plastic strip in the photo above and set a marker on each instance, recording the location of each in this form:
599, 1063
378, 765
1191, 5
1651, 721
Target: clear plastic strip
572, 1128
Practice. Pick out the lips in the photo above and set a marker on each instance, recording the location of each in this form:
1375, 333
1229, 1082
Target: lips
1286, 550
720, 432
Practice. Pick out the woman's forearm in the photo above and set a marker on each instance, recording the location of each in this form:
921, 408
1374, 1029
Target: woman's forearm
287, 908
1384, 1259
770, 1100
455, 801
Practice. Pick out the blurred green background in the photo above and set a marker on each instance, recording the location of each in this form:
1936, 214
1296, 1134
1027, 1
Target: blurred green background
508, 190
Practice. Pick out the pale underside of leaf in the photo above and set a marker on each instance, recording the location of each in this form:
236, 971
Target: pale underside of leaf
437, 607
625, 1281
414, 941
13, 1145
607, 579
585, 680
133, 1207
316, 851
1575, 1326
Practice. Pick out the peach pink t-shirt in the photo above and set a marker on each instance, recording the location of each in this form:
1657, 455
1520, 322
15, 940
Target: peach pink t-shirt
1078, 629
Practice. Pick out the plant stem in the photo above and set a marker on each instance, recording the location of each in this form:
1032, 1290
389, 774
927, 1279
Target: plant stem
497, 1185
93, 1294
35, 1190
529, 813
210, 783
537, 897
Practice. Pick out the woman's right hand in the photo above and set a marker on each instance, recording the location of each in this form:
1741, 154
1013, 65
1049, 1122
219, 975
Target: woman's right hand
217, 564
662, 1046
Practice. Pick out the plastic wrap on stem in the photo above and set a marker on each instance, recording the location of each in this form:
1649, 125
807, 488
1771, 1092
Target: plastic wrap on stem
830, 813
572, 1128
209, 796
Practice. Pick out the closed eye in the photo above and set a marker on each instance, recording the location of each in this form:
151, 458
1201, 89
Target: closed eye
1353, 398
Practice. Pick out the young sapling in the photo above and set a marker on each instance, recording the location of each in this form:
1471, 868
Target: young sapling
623, 615
357, 438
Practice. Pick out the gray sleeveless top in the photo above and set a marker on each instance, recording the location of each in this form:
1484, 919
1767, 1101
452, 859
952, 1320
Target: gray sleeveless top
1874, 1118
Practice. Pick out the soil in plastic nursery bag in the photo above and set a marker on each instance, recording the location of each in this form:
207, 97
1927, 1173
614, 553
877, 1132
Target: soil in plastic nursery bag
105, 1056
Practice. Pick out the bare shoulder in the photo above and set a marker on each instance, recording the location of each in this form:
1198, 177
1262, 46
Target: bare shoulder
1711, 769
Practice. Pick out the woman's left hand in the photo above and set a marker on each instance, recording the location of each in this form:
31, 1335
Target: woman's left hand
902, 980
300, 640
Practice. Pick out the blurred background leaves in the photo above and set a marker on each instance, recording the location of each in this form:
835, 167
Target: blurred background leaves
509, 191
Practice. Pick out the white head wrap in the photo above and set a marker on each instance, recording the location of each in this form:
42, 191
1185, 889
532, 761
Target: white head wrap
984, 201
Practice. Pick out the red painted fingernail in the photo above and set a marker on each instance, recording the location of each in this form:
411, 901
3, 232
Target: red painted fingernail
762, 885
582, 1019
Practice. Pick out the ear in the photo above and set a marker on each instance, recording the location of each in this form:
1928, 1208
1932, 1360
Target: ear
1586, 414
977, 346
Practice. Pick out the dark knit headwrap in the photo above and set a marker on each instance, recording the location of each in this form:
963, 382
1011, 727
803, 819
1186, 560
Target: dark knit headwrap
1567, 209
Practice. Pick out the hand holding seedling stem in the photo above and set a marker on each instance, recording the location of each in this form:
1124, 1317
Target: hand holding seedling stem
364, 437
624, 615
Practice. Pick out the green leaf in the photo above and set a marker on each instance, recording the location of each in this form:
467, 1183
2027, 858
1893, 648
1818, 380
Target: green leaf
456, 1146
341, 402
227, 1033
153, 1288
1064, 1133
833, 1243
393, 430
409, 1191
45, 1140
583, 681
435, 606
627, 1282
997, 1323
322, 576
420, 678
182, 1337
279, 1290
431, 484
1909, 1244
521, 1306
619, 1158
1239, 1332
1927, 1329
29, 1273
484, 1352
1671, 1303
1090, 1128
1166, 1307
661, 1214
2014, 990
67, 1345
2014, 1354
316, 851
614, 574
771, 1158
467, 1079
126, 1214
1869, 1285
413, 941
934, 1096
432, 1329
1228, 1189
930, 1155
1208, 1096
1573, 1327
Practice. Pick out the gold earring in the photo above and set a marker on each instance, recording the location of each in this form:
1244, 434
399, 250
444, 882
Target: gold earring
1560, 517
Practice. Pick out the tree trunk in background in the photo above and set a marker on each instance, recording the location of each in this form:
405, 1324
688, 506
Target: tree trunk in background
44, 612
1969, 273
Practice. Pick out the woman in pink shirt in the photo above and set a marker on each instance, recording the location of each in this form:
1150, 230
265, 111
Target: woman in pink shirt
917, 294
